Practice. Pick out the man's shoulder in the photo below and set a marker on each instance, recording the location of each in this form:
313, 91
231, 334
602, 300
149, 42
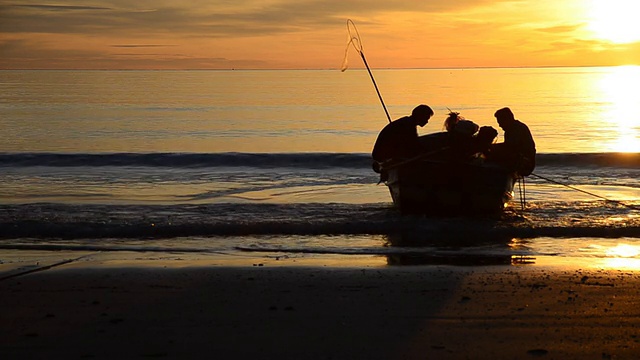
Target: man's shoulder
402, 120
400, 123
520, 124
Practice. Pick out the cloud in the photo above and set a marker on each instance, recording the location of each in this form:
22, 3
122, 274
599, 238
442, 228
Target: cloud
24, 49
59, 7
21, 54
232, 33
33, 54
561, 29
140, 45
205, 18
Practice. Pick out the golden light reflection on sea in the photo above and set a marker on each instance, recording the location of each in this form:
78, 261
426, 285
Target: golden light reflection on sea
571, 110
620, 94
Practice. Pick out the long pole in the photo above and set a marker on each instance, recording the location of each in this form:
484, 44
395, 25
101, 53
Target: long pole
375, 85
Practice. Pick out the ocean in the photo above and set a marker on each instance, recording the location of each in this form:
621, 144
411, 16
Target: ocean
276, 165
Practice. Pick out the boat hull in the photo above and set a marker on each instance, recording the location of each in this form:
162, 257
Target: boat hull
439, 187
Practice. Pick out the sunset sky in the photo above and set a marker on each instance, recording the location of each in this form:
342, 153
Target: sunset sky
312, 34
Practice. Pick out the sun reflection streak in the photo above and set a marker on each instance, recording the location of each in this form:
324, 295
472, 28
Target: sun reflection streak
623, 256
624, 251
622, 263
620, 88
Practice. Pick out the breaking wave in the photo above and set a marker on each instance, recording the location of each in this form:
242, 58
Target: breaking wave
271, 160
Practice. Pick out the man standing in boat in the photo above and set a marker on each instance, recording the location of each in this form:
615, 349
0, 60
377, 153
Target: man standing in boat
399, 139
518, 151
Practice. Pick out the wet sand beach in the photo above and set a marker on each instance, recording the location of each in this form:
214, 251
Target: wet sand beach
100, 308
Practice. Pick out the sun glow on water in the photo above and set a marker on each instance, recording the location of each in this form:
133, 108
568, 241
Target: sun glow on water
620, 90
624, 251
623, 256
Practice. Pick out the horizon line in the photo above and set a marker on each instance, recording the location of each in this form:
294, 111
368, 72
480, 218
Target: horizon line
317, 69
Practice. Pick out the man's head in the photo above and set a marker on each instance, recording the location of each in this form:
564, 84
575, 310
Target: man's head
486, 135
504, 117
421, 114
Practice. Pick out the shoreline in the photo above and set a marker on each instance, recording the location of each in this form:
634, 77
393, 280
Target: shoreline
130, 306
14, 262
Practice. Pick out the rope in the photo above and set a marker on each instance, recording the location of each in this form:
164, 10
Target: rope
587, 192
389, 164
43, 268
523, 193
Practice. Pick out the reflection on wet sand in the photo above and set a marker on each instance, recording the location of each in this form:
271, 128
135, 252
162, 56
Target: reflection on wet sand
455, 249
458, 260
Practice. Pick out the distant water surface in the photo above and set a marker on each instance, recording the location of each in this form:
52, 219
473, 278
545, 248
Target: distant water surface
568, 109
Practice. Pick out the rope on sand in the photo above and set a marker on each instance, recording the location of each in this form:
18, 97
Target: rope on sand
42, 268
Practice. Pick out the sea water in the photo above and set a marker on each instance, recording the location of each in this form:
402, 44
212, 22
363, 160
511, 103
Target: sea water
276, 163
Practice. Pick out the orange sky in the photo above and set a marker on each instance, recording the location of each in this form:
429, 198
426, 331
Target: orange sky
303, 34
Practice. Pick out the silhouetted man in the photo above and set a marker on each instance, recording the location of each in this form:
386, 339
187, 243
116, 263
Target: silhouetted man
399, 139
518, 151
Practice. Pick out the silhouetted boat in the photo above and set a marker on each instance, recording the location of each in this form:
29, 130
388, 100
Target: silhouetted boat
441, 187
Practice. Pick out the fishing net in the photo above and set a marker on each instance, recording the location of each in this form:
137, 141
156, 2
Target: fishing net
353, 39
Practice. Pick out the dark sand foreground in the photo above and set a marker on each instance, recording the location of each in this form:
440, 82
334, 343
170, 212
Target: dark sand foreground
289, 312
